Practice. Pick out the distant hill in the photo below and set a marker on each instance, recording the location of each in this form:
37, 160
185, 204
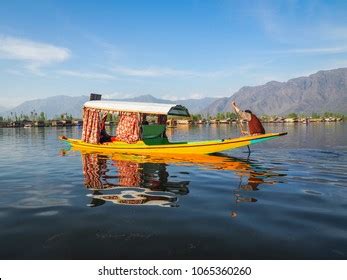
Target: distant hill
147, 98
56, 105
196, 105
51, 106
319, 92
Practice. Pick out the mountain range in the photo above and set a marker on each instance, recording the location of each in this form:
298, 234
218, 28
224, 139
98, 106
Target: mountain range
319, 92
56, 105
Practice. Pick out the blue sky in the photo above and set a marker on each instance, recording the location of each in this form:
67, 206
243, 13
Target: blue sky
170, 49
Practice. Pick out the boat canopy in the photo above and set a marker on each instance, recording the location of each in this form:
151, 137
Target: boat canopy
138, 107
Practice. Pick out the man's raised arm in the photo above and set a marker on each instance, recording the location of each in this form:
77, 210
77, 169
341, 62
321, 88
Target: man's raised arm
242, 114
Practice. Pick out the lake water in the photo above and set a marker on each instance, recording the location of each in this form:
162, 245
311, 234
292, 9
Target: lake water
287, 201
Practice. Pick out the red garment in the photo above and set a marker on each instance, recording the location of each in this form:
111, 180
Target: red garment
255, 126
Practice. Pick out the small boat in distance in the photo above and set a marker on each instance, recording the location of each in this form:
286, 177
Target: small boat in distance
136, 136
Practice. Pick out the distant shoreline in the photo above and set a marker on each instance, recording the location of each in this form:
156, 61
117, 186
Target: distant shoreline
177, 123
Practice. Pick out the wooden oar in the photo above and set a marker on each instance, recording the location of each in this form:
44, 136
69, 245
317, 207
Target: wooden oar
238, 120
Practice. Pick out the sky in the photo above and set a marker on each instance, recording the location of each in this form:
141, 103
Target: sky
169, 49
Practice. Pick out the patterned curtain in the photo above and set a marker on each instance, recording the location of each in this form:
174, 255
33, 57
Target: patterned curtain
128, 127
91, 126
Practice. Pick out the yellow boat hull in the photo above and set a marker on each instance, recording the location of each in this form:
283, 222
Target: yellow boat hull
202, 147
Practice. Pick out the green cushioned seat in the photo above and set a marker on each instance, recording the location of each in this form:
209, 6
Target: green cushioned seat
153, 131
154, 134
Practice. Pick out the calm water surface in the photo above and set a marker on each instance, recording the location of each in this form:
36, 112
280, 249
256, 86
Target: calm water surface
287, 201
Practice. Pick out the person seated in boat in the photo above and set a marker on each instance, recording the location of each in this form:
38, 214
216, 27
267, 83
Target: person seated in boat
104, 136
162, 120
144, 120
255, 126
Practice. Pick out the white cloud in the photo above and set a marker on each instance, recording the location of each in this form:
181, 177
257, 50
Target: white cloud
22, 49
87, 75
152, 72
196, 96
330, 50
170, 97
35, 54
117, 95
192, 96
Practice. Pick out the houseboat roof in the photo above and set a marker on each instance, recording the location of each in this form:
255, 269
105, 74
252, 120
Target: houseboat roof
140, 107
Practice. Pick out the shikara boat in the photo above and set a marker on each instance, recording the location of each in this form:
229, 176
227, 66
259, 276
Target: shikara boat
200, 147
151, 138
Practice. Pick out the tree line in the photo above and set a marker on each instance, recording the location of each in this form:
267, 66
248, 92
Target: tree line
232, 115
34, 116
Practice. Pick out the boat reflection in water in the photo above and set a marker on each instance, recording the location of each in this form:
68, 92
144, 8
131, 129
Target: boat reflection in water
129, 182
144, 180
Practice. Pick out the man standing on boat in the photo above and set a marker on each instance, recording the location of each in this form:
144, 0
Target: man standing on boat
254, 125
